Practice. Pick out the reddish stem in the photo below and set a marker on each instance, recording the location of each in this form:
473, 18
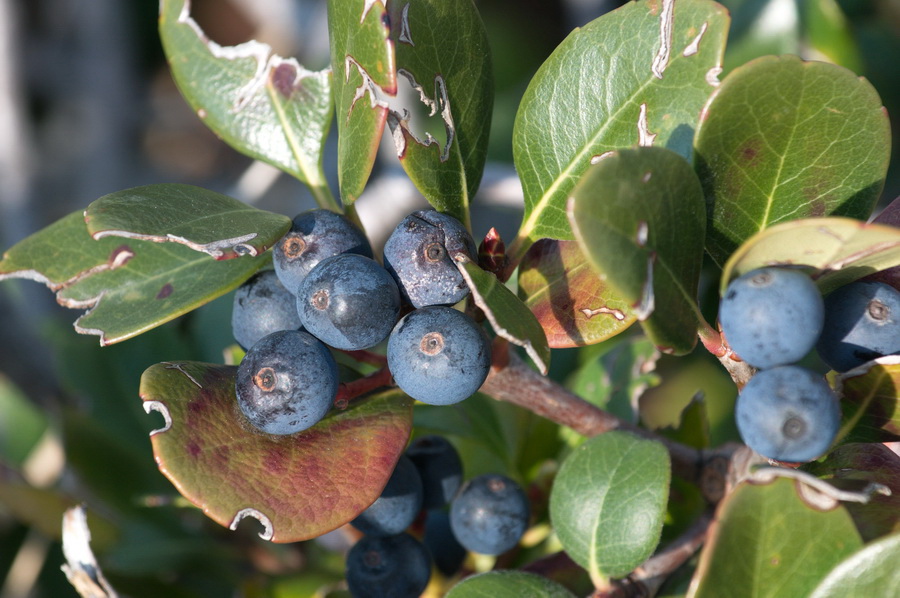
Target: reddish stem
367, 357
348, 391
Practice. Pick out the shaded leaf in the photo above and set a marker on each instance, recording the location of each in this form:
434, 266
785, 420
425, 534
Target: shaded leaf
830, 34
608, 502
509, 317
871, 572
693, 429
574, 304
362, 58
475, 418
782, 139
127, 286
639, 74
889, 216
301, 485
768, 538
263, 105
22, 425
869, 400
508, 584
638, 216
853, 467
201, 219
442, 51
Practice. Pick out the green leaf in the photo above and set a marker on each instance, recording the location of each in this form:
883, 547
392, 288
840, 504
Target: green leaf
301, 485
201, 219
509, 317
853, 467
127, 286
830, 33
263, 105
782, 139
638, 216
869, 401
508, 584
362, 58
871, 572
890, 216
442, 52
22, 425
608, 502
835, 250
574, 305
768, 542
639, 74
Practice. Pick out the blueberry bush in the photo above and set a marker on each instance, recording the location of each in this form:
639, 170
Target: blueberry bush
569, 417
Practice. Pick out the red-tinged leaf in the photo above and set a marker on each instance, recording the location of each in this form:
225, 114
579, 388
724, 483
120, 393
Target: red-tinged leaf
869, 401
299, 486
574, 305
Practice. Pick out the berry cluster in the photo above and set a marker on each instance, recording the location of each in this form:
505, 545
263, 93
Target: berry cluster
772, 318
488, 514
328, 291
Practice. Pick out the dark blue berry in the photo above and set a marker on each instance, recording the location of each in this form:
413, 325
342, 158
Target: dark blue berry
314, 236
490, 514
438, 355
262, 306
772, 316
862, 323
788, 413
397, 507
440, 469
446, 551
286, 382
349, 302
390, 567
419, 256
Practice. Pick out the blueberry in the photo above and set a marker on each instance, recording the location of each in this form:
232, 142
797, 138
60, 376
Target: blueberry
315, 235
862, 323
772, 316
788, 413
446, 551
397, 507
418, 255
490, 514
438, 355
286, 382
390, 567
439, 467
262, 306
349, 302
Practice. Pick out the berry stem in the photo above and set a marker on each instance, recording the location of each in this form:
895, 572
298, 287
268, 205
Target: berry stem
348, 391
367, 357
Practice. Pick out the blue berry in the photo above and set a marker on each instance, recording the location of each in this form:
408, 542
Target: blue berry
862, 323
490, 514
440, 469
772, 316
390, 567
397, 507
446, 551
788, 413
286, 382
348, 301
314, 236
438, 355
262, 306
418, 255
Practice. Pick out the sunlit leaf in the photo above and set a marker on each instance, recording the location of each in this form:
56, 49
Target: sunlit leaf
871, 572
299, 486
201, 219
782, 139
508, 584
573, 303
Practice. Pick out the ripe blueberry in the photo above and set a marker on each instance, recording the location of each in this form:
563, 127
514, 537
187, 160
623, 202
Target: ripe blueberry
862, 323
788, 413
440, 469
446, 551
772, 316
262, 306
349, 302
315, 235
397, 507
394, 566
286, 382
438, 355
418, 255
490, 514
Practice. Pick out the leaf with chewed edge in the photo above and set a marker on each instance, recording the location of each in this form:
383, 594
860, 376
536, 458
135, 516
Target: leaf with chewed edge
298, 486
199, 218
128, 286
